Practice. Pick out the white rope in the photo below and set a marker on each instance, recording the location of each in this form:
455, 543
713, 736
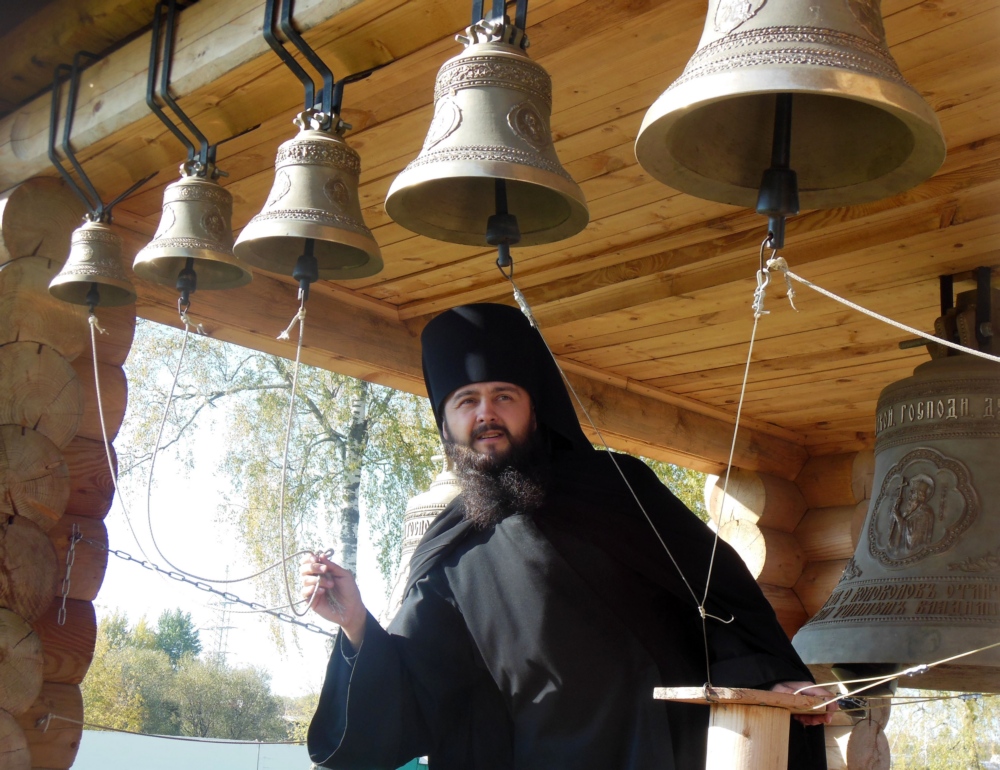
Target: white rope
300, 319
46, 720
779, 264
95, 327
149, 483
526, 310
875, 681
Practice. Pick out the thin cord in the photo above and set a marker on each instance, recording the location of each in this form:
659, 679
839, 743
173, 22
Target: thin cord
299, 318
44, 722
779, 264
875, 681
96, 327
152, 465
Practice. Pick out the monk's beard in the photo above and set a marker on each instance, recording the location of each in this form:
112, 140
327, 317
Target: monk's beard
495, 487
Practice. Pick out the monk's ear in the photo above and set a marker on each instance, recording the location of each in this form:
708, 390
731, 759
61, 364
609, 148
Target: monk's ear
444, 429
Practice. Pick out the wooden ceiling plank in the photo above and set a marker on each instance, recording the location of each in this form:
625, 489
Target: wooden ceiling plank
803, 231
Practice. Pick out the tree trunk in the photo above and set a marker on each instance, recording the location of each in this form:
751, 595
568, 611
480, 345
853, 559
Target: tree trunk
30, 314
350, 515
56, 745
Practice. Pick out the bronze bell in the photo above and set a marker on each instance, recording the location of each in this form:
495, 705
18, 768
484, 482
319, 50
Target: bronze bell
195, 225
859, 131
93, 273
924, 582
491, 121
314, 198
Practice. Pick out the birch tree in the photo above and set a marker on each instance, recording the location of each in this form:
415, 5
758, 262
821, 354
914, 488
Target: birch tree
354, 447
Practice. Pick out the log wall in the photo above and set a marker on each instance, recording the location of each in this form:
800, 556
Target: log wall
54, 476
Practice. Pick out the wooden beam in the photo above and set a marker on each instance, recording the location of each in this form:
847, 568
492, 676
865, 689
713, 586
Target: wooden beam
229, 78
56, 34
362, 339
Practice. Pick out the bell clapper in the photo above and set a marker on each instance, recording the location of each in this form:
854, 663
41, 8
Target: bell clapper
778, 197
187, 283
501, 228
306, 269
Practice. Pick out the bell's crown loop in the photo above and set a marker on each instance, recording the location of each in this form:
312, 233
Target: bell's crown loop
492, 106
95, 257
859, 131
494, 30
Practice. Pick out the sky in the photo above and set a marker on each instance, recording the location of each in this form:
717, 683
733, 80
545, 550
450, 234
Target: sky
183, 515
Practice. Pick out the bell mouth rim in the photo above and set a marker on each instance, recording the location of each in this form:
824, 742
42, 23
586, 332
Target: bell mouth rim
254, 234
148, 267
73, 289
897, 99
572, 194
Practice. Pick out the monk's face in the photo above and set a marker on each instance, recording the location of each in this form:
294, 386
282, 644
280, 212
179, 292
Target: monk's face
489, 417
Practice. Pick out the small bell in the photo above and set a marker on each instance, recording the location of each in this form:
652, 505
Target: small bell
491, 122
313, 205
859, 131
93, 273
195, 225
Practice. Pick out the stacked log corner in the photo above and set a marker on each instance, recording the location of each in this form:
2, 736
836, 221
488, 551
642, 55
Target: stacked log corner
796, 538
53, 475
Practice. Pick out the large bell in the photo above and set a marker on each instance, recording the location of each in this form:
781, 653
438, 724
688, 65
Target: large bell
859, 131
313, 204
491, 121
924, 582
195, 225
93, 272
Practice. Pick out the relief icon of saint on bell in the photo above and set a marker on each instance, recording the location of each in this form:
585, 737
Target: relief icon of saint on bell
925, 503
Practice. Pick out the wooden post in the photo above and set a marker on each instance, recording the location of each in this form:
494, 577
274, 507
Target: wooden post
747, 729
53, 477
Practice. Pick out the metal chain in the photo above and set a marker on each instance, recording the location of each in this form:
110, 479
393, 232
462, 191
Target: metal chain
75, 536
203, 586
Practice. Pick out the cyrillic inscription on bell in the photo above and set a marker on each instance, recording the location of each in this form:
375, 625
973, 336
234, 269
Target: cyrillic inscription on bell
924, 582
492, 105
859, 131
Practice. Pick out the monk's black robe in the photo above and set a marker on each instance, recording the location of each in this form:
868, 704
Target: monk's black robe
536, 644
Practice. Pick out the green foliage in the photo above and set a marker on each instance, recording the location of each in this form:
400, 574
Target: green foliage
355, 446
232, 703
134, 685
298, 714
177, 636
960, 733
686, 484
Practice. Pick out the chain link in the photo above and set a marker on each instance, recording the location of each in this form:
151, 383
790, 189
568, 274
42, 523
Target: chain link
203, 586
75, 537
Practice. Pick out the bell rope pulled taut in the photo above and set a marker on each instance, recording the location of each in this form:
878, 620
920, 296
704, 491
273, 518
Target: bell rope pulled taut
859, 131
492, 106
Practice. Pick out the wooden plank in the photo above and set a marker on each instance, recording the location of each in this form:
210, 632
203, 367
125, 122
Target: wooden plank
54, 743
69, 648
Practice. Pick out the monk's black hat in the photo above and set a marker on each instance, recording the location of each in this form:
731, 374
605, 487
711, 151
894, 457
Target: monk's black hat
495, 343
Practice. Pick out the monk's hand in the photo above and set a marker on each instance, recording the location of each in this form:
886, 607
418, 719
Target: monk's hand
808, 688
334, 596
